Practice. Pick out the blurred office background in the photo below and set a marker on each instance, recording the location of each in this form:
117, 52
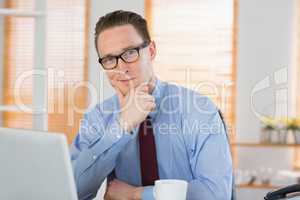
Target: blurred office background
244, 54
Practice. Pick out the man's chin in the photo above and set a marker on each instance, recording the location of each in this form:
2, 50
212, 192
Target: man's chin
124, 90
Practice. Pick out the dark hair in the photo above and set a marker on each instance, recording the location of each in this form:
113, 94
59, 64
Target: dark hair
121, 17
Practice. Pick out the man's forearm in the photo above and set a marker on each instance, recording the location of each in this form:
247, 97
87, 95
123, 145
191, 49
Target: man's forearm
91, 165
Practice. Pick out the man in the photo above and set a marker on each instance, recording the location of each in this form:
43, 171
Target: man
150, 129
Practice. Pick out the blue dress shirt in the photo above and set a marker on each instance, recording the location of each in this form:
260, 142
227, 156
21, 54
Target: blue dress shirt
191, 145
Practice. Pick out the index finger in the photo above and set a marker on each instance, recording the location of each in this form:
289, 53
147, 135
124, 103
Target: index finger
143, 87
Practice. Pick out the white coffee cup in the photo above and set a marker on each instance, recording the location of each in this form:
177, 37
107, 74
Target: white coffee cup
170, 189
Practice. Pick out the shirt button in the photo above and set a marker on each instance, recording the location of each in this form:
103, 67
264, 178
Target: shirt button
94, 157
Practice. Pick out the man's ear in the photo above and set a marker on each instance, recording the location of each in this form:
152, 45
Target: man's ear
152, 50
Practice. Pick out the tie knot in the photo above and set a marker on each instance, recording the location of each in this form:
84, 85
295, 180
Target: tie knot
148, 121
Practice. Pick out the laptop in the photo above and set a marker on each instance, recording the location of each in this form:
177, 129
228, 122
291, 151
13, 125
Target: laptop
35, 165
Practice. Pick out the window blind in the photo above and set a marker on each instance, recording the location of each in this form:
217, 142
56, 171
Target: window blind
66, 61
196, 44
67, 24
18, 58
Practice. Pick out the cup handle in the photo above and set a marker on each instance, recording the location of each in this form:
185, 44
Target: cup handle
154, 192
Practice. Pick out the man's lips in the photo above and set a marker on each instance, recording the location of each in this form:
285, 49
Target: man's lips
126, 81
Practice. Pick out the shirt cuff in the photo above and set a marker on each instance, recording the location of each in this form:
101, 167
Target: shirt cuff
148, 193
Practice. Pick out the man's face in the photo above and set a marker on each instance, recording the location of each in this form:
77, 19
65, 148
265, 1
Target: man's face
114, 41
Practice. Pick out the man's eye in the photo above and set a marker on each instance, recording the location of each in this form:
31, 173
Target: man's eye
129, 53
108, 60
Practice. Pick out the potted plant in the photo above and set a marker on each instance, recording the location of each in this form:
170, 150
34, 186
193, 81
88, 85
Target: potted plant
282, 129
293, 126
269, 127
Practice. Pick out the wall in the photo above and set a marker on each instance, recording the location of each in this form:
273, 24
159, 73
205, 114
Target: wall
265, 49
96, 75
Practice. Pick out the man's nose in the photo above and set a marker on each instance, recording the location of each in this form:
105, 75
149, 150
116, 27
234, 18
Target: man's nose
122, 65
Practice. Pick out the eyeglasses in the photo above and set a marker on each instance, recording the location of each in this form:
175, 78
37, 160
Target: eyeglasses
128, 56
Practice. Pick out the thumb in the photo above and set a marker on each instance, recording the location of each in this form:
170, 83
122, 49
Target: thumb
151, 83
143, 88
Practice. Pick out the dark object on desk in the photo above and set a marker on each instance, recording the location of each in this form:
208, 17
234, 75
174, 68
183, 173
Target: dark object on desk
289, 192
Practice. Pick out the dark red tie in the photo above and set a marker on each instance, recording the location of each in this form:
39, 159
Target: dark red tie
148, 160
